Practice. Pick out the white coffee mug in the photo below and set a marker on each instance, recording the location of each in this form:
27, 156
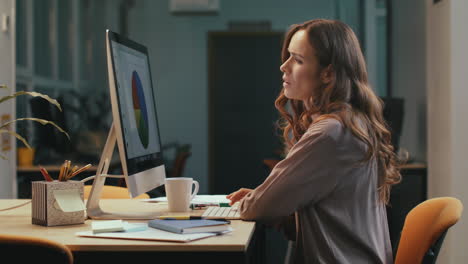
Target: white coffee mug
179, 193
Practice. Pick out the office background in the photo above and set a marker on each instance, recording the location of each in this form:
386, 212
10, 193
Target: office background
60, 51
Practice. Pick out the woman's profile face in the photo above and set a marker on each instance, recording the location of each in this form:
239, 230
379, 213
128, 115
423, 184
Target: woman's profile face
301, 71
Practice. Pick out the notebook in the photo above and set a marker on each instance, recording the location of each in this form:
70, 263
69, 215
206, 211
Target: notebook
190, 226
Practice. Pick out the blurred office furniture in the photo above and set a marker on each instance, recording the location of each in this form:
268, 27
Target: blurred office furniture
113, 192
177, 164
393, 113
83, 116
411, 191
30, 249
425, 228
51, 145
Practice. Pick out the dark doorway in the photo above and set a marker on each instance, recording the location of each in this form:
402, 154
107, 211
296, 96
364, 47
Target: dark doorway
244, 81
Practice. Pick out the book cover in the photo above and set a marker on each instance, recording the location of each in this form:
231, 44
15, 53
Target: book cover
190, 226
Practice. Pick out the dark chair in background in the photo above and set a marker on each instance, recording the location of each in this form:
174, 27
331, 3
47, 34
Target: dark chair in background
393, 113
29, 249
178, 165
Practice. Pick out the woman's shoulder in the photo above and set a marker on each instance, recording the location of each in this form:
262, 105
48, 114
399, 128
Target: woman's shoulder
327, 126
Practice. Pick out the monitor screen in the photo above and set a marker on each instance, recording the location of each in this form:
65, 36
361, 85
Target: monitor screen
137, 109
137, 122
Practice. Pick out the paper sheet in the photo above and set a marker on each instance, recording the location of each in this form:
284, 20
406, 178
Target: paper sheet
151, 234
69, 200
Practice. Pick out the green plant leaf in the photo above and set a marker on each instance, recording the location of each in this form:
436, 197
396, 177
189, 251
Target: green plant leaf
42, 121
33, 94
16, 135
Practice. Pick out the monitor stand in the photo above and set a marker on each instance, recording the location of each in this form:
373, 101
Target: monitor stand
93, 208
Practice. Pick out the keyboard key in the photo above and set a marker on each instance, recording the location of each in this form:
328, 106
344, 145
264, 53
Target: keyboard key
221, 212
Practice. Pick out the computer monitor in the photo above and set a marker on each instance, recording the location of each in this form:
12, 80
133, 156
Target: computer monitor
135, 124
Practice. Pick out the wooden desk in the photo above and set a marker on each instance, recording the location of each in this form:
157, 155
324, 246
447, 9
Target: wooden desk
243, 245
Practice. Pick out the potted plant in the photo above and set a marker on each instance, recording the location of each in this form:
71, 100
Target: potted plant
4, 127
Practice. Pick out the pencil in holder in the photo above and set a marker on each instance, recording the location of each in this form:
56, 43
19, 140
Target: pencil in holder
57, 203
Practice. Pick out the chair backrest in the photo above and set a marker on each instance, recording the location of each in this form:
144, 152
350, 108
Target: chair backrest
24, 249
179, 163
425, 227
113, 192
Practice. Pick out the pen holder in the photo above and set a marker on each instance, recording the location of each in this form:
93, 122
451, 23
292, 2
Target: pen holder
57, 203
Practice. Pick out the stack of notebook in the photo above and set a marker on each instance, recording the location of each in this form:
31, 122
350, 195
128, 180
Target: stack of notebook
190, 226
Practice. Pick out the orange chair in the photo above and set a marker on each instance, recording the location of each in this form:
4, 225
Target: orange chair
113, 192
425, 228
29, 249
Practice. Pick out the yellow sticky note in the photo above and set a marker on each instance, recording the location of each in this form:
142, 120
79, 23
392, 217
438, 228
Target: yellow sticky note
69, 200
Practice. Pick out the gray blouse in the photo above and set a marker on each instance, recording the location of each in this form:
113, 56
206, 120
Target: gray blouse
338, 215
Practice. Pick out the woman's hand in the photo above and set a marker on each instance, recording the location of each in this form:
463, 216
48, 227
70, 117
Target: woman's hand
238, 195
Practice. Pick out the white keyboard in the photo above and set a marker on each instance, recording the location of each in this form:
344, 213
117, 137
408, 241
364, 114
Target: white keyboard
221, 212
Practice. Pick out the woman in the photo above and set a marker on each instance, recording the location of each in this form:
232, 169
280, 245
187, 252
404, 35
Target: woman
332, 187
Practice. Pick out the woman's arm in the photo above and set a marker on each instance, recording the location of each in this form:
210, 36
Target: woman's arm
305, 176
238, 195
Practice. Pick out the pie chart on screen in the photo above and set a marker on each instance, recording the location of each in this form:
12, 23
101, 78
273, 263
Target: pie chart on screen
139, 106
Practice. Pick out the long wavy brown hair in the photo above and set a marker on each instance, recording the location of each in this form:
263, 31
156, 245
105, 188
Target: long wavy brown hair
350, 100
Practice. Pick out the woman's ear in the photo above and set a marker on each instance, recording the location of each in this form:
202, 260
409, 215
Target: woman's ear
327, 75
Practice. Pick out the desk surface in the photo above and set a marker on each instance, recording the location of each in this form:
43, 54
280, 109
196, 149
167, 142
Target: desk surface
18, 221
414, 166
